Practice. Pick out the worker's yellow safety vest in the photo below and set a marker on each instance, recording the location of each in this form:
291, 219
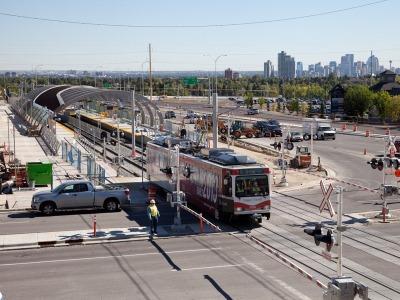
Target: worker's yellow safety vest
153, 211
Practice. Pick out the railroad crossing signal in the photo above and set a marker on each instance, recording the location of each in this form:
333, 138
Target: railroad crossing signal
325, 200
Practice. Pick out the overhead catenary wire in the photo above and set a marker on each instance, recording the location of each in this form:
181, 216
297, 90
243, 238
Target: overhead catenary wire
284, 19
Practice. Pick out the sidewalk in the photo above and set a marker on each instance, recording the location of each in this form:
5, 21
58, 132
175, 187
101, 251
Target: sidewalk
83, 237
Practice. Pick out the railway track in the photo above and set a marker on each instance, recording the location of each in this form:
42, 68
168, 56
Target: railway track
133, 167
303, 252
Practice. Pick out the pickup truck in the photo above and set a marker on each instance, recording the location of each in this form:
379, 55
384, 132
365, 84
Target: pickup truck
79, 194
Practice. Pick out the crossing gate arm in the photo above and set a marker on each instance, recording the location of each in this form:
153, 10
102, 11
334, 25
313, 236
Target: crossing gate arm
200, 217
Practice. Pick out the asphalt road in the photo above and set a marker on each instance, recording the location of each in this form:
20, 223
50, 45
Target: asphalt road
345, 156
15, 222
204, 267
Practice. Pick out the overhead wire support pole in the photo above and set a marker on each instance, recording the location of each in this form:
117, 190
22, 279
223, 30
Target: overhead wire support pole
133, 125
150, 77
215, 104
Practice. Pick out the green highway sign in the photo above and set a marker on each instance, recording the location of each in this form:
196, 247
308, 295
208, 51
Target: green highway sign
190, 81
107, 85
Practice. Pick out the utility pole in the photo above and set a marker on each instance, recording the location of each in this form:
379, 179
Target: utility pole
178, 189
133, 125
283, 166
119, 146
151, 81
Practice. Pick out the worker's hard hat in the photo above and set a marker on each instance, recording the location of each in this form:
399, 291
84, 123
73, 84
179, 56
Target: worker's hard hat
152, 201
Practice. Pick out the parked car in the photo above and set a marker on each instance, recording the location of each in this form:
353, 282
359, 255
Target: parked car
296, 137
170, 114
79, 194
252, 111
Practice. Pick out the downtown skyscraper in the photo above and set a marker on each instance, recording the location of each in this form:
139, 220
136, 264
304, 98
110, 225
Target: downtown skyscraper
286, 66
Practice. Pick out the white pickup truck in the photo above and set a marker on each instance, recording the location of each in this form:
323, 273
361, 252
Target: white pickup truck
79, 194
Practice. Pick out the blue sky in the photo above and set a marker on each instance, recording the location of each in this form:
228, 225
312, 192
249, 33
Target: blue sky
29, 43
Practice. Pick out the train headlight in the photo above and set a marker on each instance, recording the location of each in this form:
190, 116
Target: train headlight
239, 209
266, 207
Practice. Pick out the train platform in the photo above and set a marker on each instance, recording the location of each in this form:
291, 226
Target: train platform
32, 149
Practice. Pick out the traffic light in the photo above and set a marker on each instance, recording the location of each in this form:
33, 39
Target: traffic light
315, 231
276, 146
328, 239
167, 171
388, 162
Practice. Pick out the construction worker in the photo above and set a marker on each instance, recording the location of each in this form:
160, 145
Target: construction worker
153, 214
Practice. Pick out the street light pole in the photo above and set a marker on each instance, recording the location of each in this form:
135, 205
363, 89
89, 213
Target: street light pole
215, 105
142, 76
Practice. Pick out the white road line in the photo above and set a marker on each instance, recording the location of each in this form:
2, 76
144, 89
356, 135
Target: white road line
211, 267
104, 257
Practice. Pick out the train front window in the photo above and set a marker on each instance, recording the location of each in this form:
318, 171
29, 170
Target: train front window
249, 186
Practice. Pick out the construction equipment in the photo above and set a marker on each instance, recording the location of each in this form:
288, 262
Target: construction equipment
238, 129
302, 158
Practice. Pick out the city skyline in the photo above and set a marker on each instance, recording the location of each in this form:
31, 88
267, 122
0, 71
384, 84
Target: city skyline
50, 45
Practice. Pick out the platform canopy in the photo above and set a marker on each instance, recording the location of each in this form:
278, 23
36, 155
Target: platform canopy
58, 97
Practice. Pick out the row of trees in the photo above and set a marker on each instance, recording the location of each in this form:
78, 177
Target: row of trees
259, 86
360, 100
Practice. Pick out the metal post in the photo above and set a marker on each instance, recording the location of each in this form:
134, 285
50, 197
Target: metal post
228, 137
14, 156
311, 144
384, 204
119, 146
178, 188
80, 125
215, 120
133, 125
209, 90
104, 149
8, 138
141, 141
339, 230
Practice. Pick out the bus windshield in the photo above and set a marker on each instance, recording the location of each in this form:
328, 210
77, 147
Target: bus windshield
249, 186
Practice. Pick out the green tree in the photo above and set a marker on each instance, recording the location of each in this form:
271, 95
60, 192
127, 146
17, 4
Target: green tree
357, 100
248, 100
393, 108
381, 100
261, 102
294, 106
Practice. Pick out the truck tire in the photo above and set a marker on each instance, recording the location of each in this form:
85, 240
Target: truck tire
249, 135
48, 208
111, 205
306, 137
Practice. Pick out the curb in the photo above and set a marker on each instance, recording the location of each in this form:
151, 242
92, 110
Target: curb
14, 209
72, 242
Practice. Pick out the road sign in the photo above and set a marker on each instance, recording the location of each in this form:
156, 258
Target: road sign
107, 85
325, 200
190, 81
